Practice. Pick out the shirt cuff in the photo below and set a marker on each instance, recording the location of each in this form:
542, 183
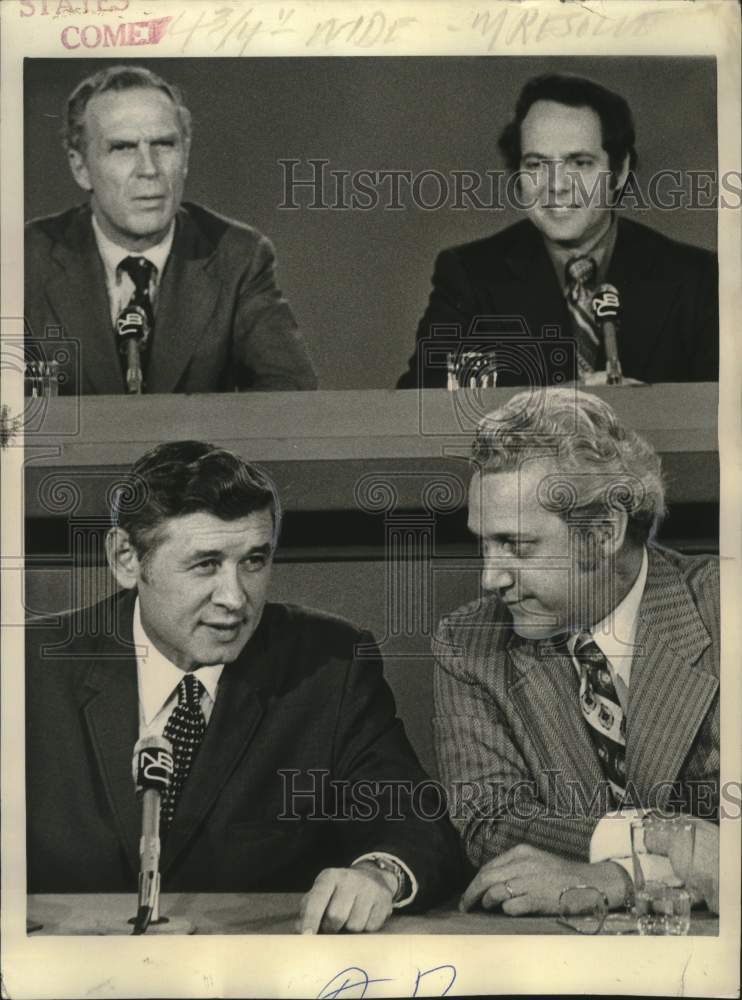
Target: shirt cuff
611, 841
408, 891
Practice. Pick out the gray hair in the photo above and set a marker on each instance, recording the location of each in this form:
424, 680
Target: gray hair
601, 466
116, 78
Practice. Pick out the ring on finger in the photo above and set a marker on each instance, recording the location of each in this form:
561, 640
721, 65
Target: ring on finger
509, 890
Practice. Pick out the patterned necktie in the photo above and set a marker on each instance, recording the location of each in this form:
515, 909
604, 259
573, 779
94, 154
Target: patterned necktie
185, 729
580, 275
602, 711
140, 270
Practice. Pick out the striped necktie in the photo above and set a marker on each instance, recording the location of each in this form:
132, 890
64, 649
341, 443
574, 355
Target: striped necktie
185, 729
580, 277
602, 711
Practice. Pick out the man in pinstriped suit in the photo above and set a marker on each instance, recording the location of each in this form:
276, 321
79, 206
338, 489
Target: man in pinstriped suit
566, 501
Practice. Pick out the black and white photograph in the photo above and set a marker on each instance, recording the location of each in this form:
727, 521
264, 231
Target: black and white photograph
370, 436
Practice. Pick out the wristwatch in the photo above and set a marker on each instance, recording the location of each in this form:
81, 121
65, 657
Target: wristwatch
386, 864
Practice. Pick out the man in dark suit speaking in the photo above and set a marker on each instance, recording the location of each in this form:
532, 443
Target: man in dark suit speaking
211, 317
522, 303
292, 772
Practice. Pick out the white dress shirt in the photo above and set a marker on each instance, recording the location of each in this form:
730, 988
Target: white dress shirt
615, 634
119, 285
157, 682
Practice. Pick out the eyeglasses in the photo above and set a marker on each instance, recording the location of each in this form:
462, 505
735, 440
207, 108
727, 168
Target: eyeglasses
586, 910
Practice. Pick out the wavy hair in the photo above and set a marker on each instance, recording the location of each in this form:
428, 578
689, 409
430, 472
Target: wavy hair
600, 466
188, 477
116, 78
616, 120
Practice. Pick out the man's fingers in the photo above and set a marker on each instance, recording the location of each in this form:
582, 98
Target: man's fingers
314, 903
338, 909
475, 890
488, 880
344, 899
380, 913
519, 905
357, 921
494, 896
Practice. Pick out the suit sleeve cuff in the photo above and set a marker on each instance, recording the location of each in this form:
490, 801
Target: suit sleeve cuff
611, 841
408, 882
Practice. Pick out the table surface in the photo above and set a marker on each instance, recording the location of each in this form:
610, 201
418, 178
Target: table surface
104, 430
332, 442
270, 913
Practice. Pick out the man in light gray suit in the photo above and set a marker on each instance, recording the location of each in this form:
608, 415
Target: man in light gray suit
586, 680
216, 318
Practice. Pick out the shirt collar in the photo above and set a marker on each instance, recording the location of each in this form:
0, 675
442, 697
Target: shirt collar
615, 634
113, 254
600, 249
157, 677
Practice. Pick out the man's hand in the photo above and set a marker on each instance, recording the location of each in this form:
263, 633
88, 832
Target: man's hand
528, 880
351, 899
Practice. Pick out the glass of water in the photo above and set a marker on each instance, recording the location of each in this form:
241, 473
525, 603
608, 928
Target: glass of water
662, 854
662, 909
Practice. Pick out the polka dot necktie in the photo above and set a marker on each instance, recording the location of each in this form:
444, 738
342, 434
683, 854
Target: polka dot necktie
185, 729
580, 277
602, 711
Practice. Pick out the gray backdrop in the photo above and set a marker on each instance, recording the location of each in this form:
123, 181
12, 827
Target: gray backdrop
359, 280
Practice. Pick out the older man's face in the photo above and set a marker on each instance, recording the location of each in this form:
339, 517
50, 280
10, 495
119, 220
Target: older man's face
203, 588
134, 161
566, 184
530, 559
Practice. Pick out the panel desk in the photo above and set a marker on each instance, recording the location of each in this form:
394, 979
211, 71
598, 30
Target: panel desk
274, 913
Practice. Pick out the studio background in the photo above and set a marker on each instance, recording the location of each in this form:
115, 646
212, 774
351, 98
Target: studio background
358, 281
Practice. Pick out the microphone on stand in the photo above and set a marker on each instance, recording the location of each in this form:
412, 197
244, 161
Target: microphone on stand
152, 769
606, 309
132, 334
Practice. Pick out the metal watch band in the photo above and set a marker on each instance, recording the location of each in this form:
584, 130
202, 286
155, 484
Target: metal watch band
387, 865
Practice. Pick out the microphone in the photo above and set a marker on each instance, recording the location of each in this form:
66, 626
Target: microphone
132, 333
606, 309
152, 769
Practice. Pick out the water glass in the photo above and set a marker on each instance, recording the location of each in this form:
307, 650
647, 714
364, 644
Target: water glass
663, 905
662, 909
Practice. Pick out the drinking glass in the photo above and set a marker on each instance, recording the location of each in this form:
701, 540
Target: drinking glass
663, 904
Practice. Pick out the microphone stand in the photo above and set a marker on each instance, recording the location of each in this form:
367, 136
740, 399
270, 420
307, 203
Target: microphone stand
134, 377
152, 768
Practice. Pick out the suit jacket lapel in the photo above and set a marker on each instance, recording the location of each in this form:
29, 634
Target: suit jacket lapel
78, 296
644, 300
237, 712
544, 690
531, 266
111, 713
186, 300
670, 692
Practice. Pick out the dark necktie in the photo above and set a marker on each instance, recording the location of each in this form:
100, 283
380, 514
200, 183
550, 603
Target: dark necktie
185, 729
602, 711
580, 277
140, 270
